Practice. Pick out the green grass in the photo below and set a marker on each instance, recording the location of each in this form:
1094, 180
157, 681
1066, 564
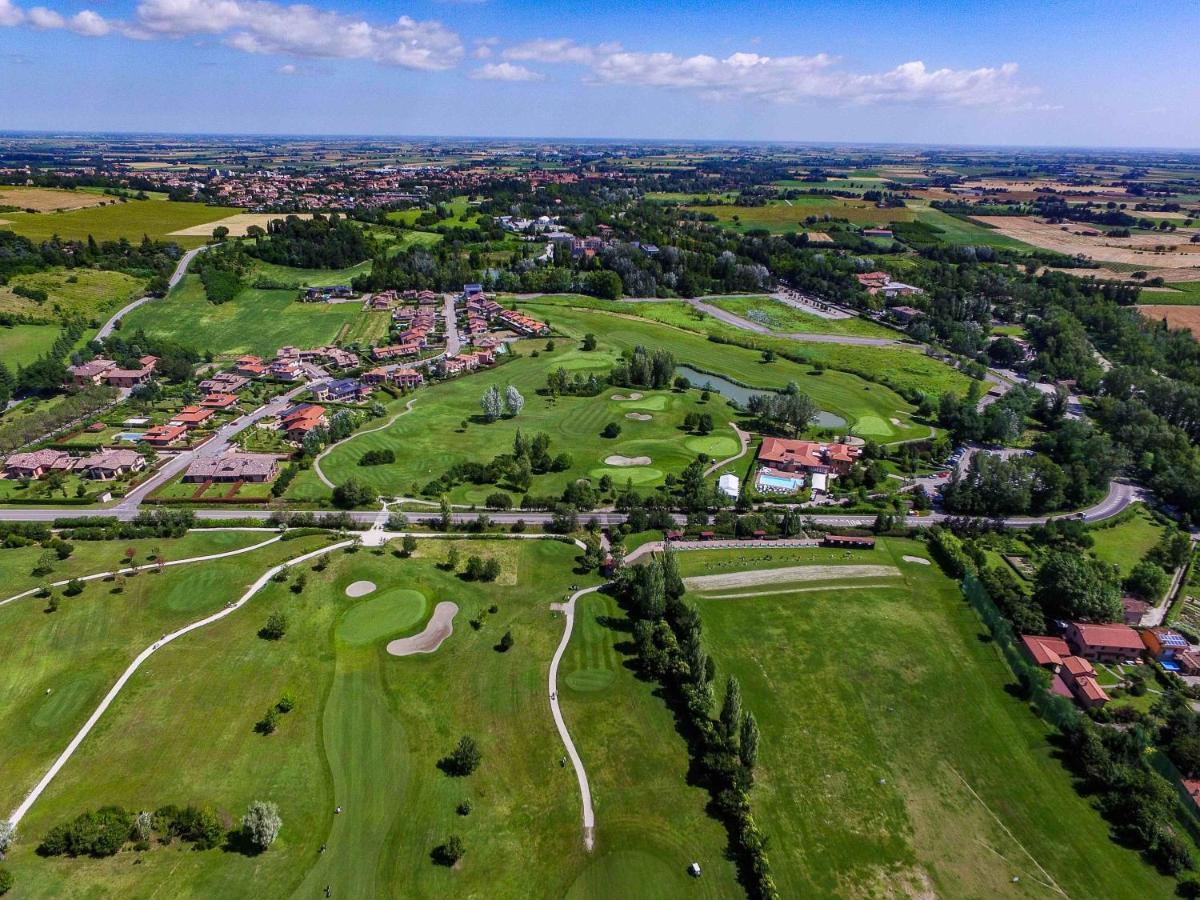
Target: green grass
309, 277
1182, 293
956, 231
783, 217
892, 760
365, 734
92, 294
129, 220
1126, 544
61, 664
255, 321
428, 440
22, 344
781, 317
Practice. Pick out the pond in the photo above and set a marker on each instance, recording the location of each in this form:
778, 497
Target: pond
741, 395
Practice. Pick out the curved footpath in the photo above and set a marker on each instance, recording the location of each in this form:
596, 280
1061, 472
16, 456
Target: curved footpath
41, 786
388, 424
172, 562
585, 792
180, 269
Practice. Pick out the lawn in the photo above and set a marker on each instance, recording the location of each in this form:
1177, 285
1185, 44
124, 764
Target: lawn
89, 293
153, 218
22, 344
1182, 293
903, 767
1125, 545
365, 735
959, 231
309, 277
786, 216
867, 406
780, 317
57, 666
428, 440
255, 321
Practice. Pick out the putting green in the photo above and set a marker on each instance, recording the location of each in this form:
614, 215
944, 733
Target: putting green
590, 680
655, 401
66, 701
716, 446
629, 873
384, 615
621, 474
872, 425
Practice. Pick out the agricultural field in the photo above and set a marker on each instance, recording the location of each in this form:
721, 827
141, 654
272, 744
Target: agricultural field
49, 199
1183, 293
89, 293
1175, 315
966, 232
157, 219
365, 735
1139, 249
238, 224
786, 216
783, 318
22, 344
255, 321
906, 790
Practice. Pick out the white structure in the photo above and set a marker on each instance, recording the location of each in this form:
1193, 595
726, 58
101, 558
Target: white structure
820, 481
729, 485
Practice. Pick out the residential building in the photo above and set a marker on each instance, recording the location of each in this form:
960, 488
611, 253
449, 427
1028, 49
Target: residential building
218, 401
250, 467
164, 435
522, 324
298, 421
1073, 676
904, 314
191, 417
808, 456
109, 464
224, 383
36, 464
1164, 644
90, 372
342, 390
1104, 643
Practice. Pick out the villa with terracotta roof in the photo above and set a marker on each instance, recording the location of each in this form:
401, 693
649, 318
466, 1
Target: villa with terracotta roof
36, 464
164, 435
191, 416
252, 467
92, 372
807, 456
298, 421
1104, 643
1073, 676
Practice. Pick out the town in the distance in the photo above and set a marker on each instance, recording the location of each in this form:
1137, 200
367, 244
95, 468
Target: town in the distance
591, 519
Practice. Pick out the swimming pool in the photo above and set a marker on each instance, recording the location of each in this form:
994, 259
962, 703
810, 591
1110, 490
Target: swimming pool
779, 483
128, 436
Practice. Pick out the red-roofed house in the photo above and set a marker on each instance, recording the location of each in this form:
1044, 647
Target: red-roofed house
164, 435
218, 401
191, 416
1045, 651
1104, 643
807, 456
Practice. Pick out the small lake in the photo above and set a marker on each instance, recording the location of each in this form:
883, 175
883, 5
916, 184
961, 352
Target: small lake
741, 395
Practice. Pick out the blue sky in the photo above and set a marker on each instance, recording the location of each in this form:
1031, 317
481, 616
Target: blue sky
1076, 74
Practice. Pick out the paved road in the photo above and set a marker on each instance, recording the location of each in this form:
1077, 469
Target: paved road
453, 343
41, 786
724, 315
585, 792
178, 274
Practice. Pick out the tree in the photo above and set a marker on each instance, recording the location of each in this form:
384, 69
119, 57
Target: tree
465, 758
611, 430
506, 642
352, 493
269, 722
452, 559
1147, 581
220, 233
8, 835
451, 852
474, 569
731, 711
491, 569
748, 745
409, 545
589, 341
490, 401
704, 425
513, 401
45, 564
6, 881
275, 628
261, 823
1072, 586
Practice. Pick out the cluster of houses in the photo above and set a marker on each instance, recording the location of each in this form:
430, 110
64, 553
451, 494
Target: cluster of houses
105, 371
103, 465
298, 421
784, 464
883, 283
1070, 658
327, 294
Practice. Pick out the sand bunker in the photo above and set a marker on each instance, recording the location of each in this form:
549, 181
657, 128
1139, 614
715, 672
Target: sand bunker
919, 560
618, 460
360, 589
440, 627
622, 397
639, 417
754, 577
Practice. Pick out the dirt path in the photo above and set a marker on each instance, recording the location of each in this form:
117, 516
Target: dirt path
753, 577
585, 791
83, 732
440, 627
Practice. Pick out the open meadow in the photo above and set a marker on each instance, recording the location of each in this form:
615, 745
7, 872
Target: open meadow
157, 219
88, 293
22, 344
49, 199
893, 760
786, 216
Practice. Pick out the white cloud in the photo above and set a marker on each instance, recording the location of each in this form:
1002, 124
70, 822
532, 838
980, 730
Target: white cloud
10, 14
287, 69
559, 50
40, 17
262, 26
795, 78
505, 72
90, 24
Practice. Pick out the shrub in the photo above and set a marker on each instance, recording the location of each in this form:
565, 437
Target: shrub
99, 833
377, 457
6, 881
261, 824
275, 628
611, 430
269, 722
464, 759
451, 852
506, 642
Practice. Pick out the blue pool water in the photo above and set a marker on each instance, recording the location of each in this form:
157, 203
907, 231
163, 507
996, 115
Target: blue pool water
780, 483
128, 436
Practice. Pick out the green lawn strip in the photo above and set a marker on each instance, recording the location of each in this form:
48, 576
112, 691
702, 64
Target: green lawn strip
255, 321
784, 217
22, 344
365, 734
309, 277
899, 763
906, 367
781, 317
428, 440
1182, 293
129, 220
60, 665
963, 231
1126, 544
71, 292
650, 824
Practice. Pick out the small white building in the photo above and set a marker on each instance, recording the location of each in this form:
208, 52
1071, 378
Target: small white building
729, 485
820, 481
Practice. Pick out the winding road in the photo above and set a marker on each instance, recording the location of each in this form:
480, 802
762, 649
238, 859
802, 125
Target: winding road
180, 270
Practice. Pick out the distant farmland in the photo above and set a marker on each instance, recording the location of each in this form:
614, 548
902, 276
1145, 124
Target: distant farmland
786, 216
156, 219
48, 199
